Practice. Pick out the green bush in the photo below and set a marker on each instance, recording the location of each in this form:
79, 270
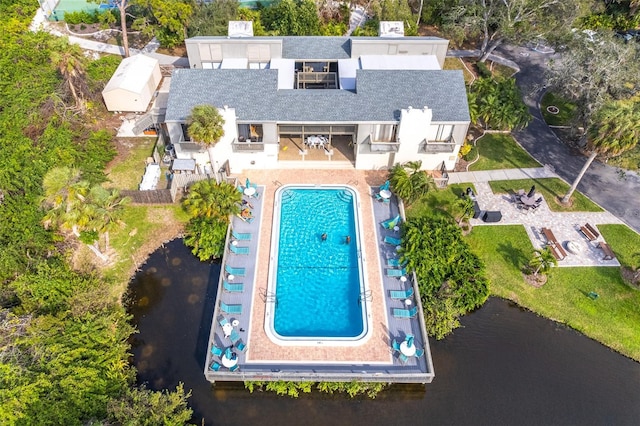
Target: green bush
293, 389
483, 70
81, 17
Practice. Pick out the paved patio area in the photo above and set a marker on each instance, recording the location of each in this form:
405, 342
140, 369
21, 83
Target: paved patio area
565, 226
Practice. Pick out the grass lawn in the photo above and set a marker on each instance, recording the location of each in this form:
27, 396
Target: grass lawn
624, 242
501, 151
127, 172
499, 70
565, 113
146, 227
456, 64
438, 201
611, 319
551, 189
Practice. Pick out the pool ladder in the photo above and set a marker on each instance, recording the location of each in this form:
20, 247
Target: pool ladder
365, 296
268, 296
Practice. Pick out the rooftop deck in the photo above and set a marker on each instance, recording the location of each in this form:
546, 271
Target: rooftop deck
372, 359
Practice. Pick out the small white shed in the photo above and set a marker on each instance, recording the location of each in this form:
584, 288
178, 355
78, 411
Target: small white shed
132, 86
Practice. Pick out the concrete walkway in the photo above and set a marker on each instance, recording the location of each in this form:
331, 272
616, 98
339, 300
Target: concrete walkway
502, 174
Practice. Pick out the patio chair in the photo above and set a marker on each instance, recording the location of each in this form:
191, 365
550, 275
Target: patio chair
396, 272
222, 320
234, 337
241, 236
402, 357
381, 198
240, 345
401, 294
419, 352
234, 368
216, 350
384, 186
405, 313
238, 250
231, 309
232, 288
395, 345
393, 241
214, 366
239, 272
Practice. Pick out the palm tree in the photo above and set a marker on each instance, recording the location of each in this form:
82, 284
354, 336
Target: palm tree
615, 129
210, 199
205, 126
409, 182
107, 209
71, 63
542, 260
64, 198
465, 208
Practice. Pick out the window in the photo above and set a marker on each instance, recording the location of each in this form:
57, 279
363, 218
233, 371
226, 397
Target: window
385, 133
444, 133
185, 132
249, 132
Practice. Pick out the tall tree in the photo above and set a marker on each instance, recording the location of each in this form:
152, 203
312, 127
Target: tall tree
409, 182
64, 197
107, 209
614, 130
206, 126
542, 261
515, 21
213, 200
71, 63
167, 20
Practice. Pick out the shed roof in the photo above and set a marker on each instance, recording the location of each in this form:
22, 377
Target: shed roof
132, 74
379, 96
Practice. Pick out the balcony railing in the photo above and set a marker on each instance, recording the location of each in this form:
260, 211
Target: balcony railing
437, 147
247, 146
383, 146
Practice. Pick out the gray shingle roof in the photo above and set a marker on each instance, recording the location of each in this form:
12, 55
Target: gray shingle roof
379, 96
316, 48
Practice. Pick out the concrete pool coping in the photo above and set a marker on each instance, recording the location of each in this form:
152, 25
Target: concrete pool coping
363, 284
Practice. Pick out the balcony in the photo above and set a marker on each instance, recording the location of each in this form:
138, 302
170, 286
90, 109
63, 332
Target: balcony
248, 145
438, 147
383, 146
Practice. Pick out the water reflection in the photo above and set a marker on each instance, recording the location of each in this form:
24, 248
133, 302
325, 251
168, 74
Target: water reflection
505, 366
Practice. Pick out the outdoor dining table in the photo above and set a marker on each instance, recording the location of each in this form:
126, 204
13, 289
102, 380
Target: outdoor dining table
385, 193
405, 349
528, 201
230, 362
249, 191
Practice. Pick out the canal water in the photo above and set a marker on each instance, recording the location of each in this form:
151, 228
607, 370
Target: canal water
504, 366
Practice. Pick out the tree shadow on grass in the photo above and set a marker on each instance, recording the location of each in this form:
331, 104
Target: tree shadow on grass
515, 256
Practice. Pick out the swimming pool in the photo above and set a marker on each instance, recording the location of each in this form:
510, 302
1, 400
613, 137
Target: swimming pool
316, 285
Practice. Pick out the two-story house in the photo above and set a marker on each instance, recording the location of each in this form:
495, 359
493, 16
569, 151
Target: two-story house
334, 102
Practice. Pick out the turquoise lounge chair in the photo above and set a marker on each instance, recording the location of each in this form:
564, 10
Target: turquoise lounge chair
384, 186
395, 263
238, 272
395, 345
234, 367
222, 320
238, 250
214, 366
232, 288
392, 241
419, 352
405, 313
381, 198
240, 345
401, 294
396, 272
234, 337
216, 350
241, 236
231, 309
391, 223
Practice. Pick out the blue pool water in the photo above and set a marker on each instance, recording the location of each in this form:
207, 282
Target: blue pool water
317, 282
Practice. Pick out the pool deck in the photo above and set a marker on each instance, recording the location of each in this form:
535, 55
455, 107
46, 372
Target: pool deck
373, 359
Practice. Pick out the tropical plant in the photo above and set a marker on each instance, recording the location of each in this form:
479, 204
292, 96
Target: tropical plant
141, 406
107, 208
497, 104
409, 182
292, 389
206, 237
465, 209
210, 199
615, 129
542, 261
64, 198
